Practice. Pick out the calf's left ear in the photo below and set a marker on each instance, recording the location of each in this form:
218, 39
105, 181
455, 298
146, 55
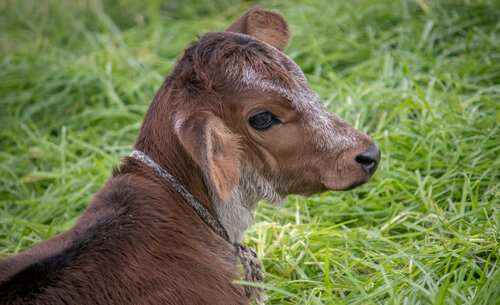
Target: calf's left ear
214, 149
263, 24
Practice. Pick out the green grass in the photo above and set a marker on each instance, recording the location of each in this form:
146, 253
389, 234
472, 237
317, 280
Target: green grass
422, 77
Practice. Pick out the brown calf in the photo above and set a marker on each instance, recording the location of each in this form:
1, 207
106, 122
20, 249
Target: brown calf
235, 122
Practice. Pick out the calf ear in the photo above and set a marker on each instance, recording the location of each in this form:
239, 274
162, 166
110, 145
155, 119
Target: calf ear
265, 25
214, 149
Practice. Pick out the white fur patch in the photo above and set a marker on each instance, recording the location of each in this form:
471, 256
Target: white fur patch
178, 121
237, 215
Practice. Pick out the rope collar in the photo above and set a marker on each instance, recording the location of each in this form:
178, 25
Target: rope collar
204, 214
248, 257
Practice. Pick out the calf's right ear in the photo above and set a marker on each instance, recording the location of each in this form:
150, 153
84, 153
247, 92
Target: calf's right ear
263, 24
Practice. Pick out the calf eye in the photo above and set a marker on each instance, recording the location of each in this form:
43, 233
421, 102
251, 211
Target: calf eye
263, 121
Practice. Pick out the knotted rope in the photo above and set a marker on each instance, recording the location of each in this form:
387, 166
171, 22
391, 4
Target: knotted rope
253, 272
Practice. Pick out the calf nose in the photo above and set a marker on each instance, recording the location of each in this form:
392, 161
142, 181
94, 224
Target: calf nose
369, 159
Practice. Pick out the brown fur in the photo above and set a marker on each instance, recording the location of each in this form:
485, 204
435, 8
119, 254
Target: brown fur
138, 242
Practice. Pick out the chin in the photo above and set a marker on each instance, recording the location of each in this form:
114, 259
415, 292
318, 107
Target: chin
319, 189
349, 187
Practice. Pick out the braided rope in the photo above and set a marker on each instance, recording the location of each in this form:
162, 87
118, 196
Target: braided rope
195, 204
253, 272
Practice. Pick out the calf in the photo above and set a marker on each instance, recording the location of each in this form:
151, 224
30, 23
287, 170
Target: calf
234, 123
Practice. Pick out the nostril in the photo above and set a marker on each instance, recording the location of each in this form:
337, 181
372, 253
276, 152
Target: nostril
365, 161
369, 159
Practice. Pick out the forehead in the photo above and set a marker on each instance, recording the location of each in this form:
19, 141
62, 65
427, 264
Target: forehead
236, 62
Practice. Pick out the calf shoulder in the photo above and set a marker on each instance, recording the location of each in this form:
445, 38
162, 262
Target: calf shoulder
137, 243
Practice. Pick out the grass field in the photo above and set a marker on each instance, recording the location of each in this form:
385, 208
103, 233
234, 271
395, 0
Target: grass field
422, 77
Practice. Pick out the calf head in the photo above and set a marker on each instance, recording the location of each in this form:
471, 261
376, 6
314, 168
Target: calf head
245, 114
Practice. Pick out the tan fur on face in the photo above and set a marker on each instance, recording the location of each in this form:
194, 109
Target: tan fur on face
246, 64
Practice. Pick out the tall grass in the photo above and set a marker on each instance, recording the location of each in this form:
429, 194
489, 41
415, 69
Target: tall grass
421, 77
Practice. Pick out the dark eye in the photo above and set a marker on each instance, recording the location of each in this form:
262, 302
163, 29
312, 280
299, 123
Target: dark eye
263, 121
